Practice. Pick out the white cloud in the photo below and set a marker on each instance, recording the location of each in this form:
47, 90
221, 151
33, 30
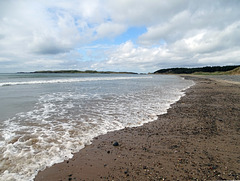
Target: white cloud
168, 31
142, 12
229, 57
179, 33
42, 24
4, 59
130, 57
208, 16
210, 40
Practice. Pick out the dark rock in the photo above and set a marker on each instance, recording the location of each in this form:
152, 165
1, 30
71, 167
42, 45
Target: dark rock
144, 148
173, 146
116, 144
108, 152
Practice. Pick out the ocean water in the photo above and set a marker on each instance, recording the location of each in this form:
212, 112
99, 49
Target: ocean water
45, 118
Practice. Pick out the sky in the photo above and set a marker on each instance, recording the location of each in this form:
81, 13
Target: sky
118, 35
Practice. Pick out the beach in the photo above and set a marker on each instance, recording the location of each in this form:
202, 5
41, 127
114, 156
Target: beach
198, 139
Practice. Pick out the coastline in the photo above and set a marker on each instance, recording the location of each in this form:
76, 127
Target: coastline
197, 139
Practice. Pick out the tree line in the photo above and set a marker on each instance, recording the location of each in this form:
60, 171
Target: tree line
194, 70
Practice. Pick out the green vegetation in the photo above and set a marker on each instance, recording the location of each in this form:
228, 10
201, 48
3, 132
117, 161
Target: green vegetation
216, 70
86, 71
235, 71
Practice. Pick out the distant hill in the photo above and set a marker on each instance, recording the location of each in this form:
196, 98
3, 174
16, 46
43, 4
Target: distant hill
235, 71
79, 71
202, 70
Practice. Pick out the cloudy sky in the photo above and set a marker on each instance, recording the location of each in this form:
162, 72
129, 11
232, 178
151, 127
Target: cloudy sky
118, 35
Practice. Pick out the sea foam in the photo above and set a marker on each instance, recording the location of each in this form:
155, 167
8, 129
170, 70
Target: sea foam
69, 80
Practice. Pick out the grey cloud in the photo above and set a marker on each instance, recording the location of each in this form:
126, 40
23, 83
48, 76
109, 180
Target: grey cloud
51, 49
2, 36
49, 45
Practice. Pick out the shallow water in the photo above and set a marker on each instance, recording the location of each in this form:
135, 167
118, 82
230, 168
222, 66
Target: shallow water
45, 118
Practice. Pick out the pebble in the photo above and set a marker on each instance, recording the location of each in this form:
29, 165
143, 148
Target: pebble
116, 144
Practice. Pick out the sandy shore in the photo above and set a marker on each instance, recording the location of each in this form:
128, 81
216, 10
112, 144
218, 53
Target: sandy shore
197, 139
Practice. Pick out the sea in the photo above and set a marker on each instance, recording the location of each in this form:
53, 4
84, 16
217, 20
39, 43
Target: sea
45, 118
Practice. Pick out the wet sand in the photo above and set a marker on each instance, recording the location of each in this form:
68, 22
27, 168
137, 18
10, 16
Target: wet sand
197, 139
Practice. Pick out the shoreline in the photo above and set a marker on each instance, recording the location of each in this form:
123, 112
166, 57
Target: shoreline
198, 138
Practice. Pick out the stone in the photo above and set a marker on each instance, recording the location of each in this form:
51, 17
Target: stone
116, 144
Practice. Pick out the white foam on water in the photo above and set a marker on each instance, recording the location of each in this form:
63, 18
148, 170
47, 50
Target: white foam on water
62, 123
69, 80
